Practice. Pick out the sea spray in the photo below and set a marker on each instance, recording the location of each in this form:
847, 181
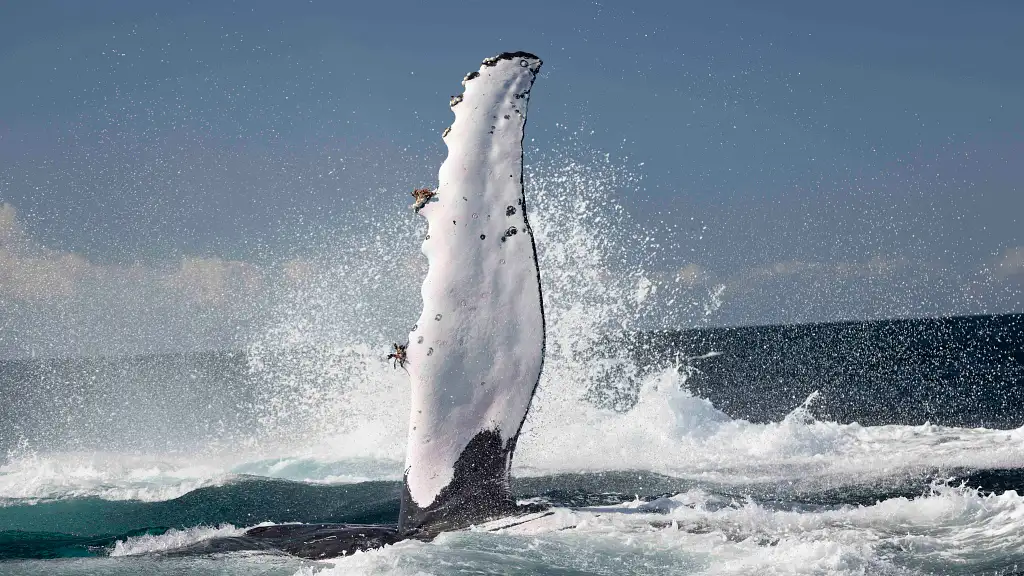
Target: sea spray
172, 539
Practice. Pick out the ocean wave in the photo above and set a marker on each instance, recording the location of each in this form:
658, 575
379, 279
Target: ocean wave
172, 539
37, 477
949, 530
672, 432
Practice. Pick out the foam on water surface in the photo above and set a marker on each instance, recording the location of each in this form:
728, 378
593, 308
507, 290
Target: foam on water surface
172, 539
674, 433
949, 531
33, 477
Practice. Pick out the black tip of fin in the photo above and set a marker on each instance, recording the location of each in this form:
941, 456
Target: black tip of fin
479, 490
493, 61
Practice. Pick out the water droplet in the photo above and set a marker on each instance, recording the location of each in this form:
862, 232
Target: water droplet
482, 383
419, 340
524, 63
415, 327
475, 216
437, 317
430, 351
482, 236
502, 261
510, 210
462, 303
428, 237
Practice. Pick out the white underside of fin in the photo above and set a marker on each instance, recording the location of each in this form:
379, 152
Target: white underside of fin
475, 355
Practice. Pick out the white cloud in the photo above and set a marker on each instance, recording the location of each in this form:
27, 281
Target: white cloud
1010, 263
55, 302
791, 267
691, 275
215, 281
298, 270
30, 272
874, 267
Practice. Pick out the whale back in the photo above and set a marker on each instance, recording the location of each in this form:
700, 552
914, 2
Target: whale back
475, 354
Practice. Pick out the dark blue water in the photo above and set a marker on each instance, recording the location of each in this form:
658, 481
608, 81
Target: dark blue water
962, 371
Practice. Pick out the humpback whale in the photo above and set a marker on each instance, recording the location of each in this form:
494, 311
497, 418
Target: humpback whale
475, 355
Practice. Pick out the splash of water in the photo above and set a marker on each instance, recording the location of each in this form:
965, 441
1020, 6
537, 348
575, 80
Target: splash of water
320, 361
328, 407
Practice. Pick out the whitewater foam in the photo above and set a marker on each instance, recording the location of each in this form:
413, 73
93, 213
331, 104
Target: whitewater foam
172, 539
674, 433
32, 477
949, 530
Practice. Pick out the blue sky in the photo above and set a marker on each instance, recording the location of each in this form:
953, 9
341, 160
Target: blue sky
802, 137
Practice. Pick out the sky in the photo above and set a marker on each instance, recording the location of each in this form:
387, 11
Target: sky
169, 171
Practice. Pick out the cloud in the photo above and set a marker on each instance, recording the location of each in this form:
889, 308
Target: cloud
55, 302
30, 272
8, 222
215, 281
874, 267
879, 286
298, 270
691, 275
790, 268
40, 279
62, 303
1010, 263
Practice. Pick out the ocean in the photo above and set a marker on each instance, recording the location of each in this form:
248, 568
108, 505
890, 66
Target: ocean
885, 447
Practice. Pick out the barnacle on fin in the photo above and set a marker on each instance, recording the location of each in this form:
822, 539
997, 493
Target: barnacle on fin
399, 355
422, 196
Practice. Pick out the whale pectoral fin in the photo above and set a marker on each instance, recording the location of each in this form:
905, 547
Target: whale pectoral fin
476, 353
479, 490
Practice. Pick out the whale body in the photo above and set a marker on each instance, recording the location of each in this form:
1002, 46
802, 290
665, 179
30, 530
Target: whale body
475, 354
